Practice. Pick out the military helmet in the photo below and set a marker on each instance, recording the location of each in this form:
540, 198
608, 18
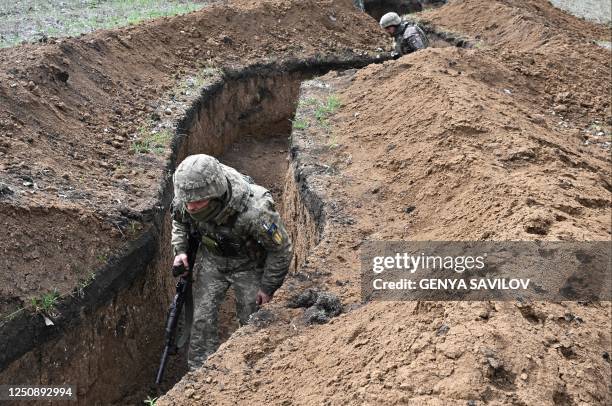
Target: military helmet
199, 177
390, 19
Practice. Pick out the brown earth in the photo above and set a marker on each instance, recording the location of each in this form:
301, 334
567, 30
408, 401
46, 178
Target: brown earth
446, 144
85, 123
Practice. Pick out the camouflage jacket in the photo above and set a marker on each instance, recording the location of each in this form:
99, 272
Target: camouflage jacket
248, 229
409, 38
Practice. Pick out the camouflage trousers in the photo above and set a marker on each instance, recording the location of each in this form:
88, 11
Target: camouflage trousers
212, 278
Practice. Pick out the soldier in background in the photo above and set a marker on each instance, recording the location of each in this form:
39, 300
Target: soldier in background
244, 245
408, 37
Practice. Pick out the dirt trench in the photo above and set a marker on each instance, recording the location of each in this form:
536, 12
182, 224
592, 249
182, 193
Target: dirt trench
109, 341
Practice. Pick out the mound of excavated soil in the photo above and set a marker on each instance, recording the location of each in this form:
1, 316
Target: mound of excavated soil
85, 122
445, 144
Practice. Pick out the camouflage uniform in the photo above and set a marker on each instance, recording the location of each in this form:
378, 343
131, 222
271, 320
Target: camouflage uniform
409, 38
244, 245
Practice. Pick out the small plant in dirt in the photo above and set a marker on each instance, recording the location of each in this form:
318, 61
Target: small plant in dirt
149, 401
46, 303
309, 101
328, 108
155, 142
84, 283
133, 228
300, 124
333, 142
12, 315
325, 110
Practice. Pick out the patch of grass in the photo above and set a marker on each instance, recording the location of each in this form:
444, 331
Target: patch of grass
80, 289
325, 110
45, 303
32, 20
155, 141
300, 124
333, 142
14, 314
134, 227
149, 401
321, 110
309, 101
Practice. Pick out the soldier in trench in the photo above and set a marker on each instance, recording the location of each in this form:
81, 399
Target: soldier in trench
244, 245
407, 37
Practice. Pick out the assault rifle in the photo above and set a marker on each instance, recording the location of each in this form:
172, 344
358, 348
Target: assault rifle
182, 296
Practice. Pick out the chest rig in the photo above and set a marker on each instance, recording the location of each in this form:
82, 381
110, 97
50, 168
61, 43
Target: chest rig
225, 236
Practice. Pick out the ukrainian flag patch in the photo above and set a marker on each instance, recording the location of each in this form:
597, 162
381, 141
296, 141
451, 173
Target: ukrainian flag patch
273, 231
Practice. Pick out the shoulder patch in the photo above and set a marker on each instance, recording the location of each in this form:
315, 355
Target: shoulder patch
272, 231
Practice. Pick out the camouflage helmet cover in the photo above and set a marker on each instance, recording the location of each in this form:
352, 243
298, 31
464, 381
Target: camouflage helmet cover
390, 19
199, 177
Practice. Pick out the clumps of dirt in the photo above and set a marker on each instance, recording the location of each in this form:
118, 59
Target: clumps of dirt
262, 318
5, 190
306, 298
320, 306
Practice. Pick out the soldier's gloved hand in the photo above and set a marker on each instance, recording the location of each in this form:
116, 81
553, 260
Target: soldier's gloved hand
262, 298
181, 259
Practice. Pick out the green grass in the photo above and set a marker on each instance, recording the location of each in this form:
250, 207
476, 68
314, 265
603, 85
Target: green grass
326, 109
14, 314
300, 124
84, 283
31, 20
149, 401
151, 142
45, 303
321, 110
309, 101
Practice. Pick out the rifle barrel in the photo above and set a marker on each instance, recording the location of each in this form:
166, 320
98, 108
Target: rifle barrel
162, 365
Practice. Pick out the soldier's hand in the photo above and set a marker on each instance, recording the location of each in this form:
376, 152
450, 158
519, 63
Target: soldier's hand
262, 298
181, 259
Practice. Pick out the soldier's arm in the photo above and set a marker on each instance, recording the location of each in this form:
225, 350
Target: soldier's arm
269, 230
180, 233
405, 46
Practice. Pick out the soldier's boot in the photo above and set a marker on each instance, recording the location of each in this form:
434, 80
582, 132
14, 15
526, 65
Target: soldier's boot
246, 284
209, 289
